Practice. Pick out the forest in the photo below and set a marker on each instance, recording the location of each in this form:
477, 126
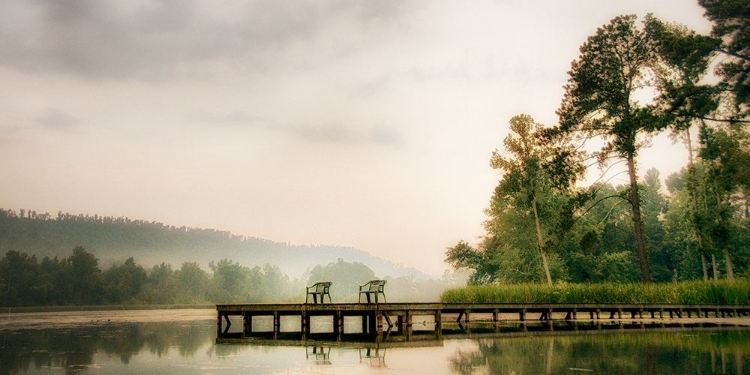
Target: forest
78, 260
114, 239
78, 280
632, 80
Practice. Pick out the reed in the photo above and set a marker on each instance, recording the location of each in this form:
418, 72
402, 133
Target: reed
692, 292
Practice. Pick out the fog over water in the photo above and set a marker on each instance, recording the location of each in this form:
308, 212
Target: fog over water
183, 342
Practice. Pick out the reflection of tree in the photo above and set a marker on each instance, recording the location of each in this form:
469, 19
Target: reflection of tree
125, 343
630, 353
60, 348
74, 348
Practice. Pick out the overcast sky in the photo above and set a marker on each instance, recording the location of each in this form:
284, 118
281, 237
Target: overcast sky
357, 123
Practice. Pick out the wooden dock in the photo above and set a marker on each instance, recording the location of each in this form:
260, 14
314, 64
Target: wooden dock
377, 319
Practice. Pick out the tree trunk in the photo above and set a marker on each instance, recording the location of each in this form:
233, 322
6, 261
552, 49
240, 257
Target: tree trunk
694, 204
540, 242
637, 219
716, 268
728, 261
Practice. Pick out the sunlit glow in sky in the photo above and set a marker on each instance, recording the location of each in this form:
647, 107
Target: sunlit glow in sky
357, 123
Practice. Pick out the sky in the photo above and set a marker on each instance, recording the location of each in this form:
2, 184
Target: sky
367, 124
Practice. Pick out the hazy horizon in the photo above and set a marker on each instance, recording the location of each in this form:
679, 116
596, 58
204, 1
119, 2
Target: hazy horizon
360, 124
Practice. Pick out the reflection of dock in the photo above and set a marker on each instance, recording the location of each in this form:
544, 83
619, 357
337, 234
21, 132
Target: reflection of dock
396, 321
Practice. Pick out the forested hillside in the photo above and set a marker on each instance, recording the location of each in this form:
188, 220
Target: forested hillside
114, 239
78, 279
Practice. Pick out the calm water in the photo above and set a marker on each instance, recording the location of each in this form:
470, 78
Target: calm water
183, 342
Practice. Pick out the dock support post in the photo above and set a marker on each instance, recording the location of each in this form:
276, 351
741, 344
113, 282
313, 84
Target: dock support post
276, 324
522, 315
495, 320
305, 323
247, 324
379, 318
372, 325
439, 322
218, 324
409, 323
337, 323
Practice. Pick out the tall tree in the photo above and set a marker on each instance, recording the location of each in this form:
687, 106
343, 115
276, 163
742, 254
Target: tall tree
124, 282
682, 60
84, 277
731, 20
523, 175
654, 205
601, 101
192, 283
726, 157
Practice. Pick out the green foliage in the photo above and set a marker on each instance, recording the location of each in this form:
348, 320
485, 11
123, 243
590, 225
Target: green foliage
600, 235
529, 212
483, 263
694, 292
124, 282
731, 19
113, 239
345, 277
78, 281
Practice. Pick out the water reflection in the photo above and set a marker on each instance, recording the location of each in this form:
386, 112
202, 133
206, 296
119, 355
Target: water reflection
692, 352
74, 348
186, 347
320, 354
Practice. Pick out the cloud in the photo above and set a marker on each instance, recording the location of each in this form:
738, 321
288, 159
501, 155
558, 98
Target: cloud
327, 132
236, 118
56, 119
51, 119
168, 39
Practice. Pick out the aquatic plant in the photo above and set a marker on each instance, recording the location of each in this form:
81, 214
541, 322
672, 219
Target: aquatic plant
692, 292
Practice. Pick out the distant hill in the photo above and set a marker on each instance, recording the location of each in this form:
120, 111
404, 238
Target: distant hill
114, 239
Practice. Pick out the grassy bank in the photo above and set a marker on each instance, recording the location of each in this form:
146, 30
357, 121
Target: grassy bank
693, 292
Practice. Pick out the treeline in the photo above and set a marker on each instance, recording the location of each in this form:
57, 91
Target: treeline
543, 227
152, 243
597, 244
79, 280
44, 234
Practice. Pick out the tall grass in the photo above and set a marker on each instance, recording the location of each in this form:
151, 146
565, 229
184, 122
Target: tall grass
692, 292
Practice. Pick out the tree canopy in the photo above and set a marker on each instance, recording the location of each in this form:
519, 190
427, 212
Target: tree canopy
631, 81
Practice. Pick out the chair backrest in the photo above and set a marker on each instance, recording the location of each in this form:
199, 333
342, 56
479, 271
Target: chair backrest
322, 287
376, 285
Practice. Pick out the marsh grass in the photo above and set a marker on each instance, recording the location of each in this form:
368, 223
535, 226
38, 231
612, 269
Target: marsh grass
692, 292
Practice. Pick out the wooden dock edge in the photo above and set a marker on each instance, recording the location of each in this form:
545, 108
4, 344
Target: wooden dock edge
380, 319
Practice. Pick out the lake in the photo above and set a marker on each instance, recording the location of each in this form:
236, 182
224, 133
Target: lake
184, 342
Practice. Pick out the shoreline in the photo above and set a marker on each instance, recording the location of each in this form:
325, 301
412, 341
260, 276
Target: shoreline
83, 308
